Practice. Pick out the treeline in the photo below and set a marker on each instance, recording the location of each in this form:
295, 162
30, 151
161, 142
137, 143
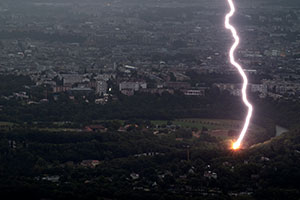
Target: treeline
12, 83
141, 106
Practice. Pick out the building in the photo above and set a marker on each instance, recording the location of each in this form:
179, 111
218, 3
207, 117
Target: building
58, 89
177, 85
226, 86
128, 88
90, 163
159, 91
80, 91
127, 92
194, 92
95, 128
105, 77
134, 86
101, 88
261, 88
70, 79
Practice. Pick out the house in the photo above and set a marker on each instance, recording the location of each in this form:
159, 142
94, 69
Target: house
264, 158
70, 79
127, 92
90, 163
134, 176
122, 129
194, 92
101, 88
210, 175
53, 179
95, 128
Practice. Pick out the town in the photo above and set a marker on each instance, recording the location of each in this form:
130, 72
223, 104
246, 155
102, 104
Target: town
129, 48
137, 99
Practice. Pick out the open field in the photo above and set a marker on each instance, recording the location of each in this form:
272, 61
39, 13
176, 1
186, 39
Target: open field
216, 127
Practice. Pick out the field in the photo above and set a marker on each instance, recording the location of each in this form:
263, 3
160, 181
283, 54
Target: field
221, 128
216, 127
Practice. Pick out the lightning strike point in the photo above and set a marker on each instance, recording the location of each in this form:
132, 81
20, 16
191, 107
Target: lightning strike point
235, 146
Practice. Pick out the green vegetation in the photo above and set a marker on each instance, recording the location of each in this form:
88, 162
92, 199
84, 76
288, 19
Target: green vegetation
138, 164
12, 83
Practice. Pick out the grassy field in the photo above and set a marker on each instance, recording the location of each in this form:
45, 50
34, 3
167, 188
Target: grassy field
216, 127
6, 124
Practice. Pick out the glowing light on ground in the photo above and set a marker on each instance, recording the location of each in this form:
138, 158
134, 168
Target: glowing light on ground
236, 145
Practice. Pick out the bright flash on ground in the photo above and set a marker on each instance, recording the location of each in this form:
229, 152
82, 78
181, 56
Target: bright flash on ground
235, 146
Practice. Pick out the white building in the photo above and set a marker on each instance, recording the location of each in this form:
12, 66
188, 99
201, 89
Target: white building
259, 88
101, 88
70, 79
194, 92
105, 77
135, 86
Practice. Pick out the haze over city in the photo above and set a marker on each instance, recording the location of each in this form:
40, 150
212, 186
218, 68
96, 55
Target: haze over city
137, 99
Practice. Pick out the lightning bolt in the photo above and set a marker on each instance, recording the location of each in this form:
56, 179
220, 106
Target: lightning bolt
237, 143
